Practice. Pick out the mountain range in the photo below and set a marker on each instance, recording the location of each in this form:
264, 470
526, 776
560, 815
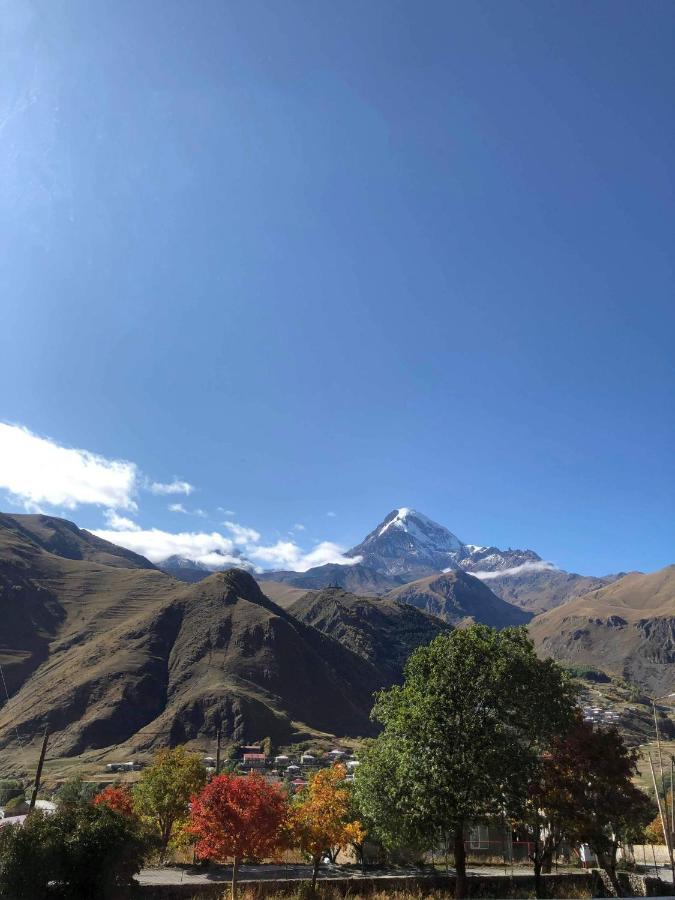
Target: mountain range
407, 546
115, 654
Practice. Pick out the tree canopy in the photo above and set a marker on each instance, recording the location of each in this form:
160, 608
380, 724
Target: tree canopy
320, 816
462, 736
163, 793
236, 817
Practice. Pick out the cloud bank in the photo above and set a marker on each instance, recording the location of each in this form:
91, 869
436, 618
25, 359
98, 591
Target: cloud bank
36, 470
539, 566
216, 551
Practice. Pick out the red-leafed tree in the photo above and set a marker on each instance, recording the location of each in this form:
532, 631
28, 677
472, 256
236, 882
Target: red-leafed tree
118, 799
238, 816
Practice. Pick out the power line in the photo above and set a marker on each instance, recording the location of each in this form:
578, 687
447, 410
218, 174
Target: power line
16, 730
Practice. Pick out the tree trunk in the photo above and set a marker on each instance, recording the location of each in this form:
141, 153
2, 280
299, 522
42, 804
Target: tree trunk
460, 862
235, 876
609, 865
547, 859
536, 857
315, 872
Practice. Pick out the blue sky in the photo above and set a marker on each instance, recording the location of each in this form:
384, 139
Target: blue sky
342, 257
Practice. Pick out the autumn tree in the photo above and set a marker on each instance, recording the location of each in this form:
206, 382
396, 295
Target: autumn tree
320, 817
462, 737
654, 831
236, 817
162, 795
119, 799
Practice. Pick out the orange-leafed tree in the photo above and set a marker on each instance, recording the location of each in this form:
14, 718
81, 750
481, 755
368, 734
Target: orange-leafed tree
236, 817
118, 799
320, 817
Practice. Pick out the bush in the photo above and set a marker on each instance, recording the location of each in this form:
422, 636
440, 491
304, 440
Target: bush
103, 850
85, 851
17, 806
28, 858
588, 673
9, 789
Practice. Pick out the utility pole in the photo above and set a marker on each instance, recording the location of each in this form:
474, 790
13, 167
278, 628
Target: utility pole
220, 731
658, 741
38, 774
664, 821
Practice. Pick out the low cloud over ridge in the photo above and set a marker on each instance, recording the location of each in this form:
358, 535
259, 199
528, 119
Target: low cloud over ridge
538, 566
217, 551
44, 476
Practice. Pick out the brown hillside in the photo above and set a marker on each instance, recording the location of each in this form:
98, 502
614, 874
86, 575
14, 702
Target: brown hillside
283, 594
539, 591
460, 599
106, 655
64, 538
382, 631
626, 629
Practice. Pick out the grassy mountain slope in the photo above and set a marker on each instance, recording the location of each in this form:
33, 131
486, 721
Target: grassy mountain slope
358, 578
460, 599
382, 631
65, 539
539, 591
108, 655
626, 628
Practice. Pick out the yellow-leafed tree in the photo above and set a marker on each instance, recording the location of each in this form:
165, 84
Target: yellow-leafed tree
319, 818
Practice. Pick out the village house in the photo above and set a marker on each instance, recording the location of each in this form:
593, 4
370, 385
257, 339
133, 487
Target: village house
254, 761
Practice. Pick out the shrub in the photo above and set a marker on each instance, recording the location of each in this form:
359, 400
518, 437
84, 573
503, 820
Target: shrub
86, 851
28, 858
102, 851
9, 789
17, 806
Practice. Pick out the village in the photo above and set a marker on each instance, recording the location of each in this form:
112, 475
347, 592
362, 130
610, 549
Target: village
290, 769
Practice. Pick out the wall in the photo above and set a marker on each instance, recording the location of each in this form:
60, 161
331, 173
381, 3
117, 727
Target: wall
592, 883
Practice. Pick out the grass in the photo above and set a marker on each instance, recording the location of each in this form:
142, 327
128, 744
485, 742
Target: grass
329, 892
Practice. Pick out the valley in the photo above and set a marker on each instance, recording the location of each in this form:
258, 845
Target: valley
117, 657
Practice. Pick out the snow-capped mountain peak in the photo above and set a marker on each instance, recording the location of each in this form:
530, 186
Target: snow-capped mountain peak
407, 541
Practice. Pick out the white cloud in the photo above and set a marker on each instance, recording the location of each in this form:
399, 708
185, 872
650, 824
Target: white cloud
226, 512
179, 508
287, 555
331, 514
242, 534
539, 566
212, 549
37, 470
171, 487
217, 551
119, 523
298, 526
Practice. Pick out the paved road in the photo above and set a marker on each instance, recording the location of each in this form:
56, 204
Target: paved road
296, 872
299, 872
266, 872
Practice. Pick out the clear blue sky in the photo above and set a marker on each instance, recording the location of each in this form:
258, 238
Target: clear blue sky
346, 256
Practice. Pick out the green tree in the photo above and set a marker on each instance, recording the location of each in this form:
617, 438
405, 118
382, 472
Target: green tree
83, 851
75, 791
29, 858
462, 737
162, 795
